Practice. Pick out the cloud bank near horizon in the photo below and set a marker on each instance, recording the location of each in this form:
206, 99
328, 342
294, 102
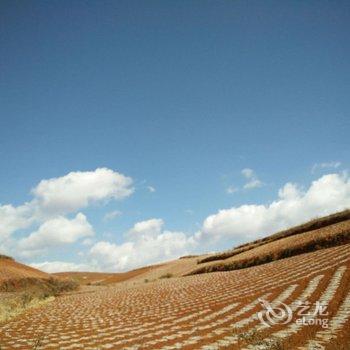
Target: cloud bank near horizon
293, 205
148, 241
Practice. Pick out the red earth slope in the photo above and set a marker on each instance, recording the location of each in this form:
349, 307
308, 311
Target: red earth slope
13, 274
207, 311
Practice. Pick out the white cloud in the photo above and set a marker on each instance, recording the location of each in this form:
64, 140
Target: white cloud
60, 266
231, 189
112, 215
151, 189
147, 228
54, 198
13, 219
148, 243
248, 173
253, 180
79, 189
57, 231
326, 195
326, 165
254, 183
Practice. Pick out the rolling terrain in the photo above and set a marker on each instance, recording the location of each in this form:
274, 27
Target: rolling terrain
15, 276
100, 278
172, 306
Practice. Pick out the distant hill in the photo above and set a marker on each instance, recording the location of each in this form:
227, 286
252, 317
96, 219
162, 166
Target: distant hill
152, 272
320, 233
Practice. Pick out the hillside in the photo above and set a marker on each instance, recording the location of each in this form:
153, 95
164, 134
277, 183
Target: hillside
317, 234
311, 225
15, 276
23, 287
206, 312
174, 268
320, 233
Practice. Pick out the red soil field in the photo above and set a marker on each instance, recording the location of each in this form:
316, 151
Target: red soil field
207, 311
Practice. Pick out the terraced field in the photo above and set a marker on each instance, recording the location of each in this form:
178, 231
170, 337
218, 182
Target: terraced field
325, 237
207, 311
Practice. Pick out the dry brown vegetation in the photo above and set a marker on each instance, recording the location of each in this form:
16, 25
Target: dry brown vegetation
5, 257
254, 337
305, 227
51, 286
188, 256
19, 295
229, 253
23, 287
14, 304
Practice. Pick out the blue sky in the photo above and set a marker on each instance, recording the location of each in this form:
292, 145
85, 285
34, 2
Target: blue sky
177, 95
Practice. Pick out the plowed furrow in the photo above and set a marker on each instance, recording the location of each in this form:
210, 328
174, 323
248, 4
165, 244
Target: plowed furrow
208, 311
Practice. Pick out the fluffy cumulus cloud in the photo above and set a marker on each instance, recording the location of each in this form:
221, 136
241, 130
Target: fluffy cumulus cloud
57, 231
147, 243
78, 189
326, 195
13, 219
146, 229
52, 200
